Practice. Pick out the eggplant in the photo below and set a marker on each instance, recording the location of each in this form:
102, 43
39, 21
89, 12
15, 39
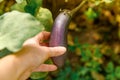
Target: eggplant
59, 32
59, 35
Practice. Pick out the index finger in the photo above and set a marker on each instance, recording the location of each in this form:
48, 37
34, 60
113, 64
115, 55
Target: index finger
44, 35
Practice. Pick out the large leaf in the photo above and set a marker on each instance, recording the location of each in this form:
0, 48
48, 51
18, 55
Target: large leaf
15, 28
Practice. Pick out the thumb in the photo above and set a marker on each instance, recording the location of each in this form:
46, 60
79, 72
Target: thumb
56, 51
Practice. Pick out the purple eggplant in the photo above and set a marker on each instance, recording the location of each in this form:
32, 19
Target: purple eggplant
59, 33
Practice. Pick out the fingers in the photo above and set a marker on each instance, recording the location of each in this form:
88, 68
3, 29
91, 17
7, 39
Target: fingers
42, 36
45, 68
56, 51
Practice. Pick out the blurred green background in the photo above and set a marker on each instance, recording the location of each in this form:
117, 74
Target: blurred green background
93, 39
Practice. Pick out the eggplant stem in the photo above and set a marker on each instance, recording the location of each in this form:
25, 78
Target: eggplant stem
72, 12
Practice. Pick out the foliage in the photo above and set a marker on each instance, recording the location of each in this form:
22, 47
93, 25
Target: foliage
89, 66
93, 43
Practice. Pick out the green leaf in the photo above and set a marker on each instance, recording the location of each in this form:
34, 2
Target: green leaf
110, 77
91, 14
95, 66
110, 67
74, 76
45, 17
71, 48
4, 52
83, 71
32, 6
38, 75
15, 28
117, 72
86, 54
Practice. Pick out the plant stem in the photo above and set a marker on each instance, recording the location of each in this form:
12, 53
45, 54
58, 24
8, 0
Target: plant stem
78, 7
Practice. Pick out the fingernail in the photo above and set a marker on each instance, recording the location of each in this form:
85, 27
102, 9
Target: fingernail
62, 49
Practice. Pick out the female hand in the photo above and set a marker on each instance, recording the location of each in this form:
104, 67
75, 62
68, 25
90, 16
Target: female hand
39, 47
30, 58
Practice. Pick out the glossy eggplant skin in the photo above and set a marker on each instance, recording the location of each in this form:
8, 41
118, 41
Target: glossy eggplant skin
59, 35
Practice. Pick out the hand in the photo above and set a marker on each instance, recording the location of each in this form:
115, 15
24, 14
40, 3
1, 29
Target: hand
30, 58
37, 46
39, 52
